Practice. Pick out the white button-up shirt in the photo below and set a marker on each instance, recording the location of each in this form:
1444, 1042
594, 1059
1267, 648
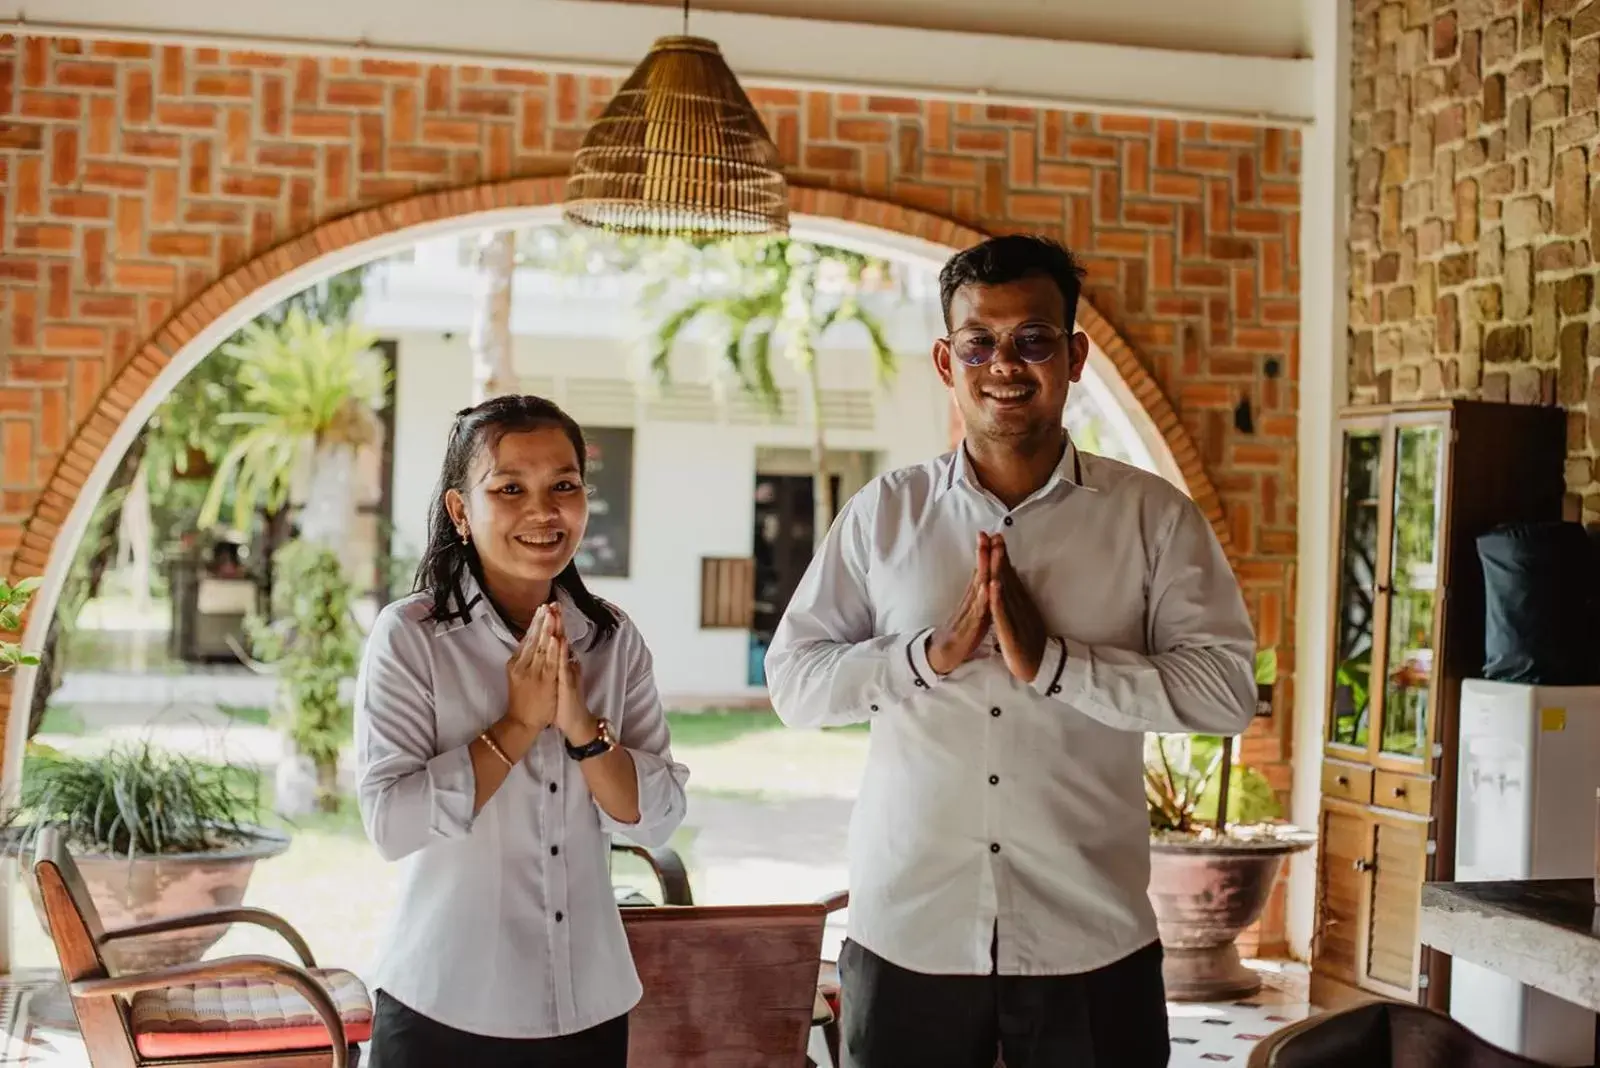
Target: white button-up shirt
507, 924
991, 808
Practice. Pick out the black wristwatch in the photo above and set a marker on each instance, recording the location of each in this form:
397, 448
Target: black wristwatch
603, 743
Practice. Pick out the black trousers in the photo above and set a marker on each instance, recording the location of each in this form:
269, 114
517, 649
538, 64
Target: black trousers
404, 1038
1113, 1017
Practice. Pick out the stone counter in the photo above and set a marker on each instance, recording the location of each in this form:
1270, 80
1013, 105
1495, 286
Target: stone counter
1542, 932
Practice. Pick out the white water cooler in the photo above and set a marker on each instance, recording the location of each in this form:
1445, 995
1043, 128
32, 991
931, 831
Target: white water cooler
1529, 766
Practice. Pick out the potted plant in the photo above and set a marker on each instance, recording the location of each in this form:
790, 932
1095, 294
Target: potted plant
1211, 877
155, 834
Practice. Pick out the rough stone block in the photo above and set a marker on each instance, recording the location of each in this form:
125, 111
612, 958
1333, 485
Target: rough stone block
1518, 284
1573, 366
1557, 49
1524, 220
1572, 192
1507, 344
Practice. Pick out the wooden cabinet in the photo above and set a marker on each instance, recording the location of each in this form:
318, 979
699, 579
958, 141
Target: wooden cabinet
1416, 486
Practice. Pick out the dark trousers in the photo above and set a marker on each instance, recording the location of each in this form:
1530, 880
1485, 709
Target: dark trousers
404, 1038
1113, 1017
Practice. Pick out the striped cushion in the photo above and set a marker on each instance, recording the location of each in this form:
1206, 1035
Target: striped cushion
236, 1016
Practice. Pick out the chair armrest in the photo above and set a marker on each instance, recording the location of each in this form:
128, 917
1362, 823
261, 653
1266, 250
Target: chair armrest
835, 901
668, 868
276, 971
210, 917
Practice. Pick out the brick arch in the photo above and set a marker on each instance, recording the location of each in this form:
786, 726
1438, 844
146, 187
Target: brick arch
161, 360
219, 302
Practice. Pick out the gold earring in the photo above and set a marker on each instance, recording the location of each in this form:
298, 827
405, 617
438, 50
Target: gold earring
466, 537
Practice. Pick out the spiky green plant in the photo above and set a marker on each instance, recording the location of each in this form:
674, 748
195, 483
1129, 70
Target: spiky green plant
134, 801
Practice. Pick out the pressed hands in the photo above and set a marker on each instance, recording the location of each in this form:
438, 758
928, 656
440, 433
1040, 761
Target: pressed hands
996, 599
545, 682
544, 688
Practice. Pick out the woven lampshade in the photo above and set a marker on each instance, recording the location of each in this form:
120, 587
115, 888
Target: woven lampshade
679, 151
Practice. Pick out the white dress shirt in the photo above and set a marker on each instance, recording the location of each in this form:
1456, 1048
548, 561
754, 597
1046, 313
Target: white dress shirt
506, 924
989, 807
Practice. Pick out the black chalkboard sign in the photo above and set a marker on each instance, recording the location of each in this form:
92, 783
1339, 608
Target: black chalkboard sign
604, 552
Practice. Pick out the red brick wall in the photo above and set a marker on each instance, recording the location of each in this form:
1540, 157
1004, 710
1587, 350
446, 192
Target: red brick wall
135, 177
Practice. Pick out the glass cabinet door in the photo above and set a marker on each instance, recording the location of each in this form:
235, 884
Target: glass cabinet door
1413, 590
1350, 718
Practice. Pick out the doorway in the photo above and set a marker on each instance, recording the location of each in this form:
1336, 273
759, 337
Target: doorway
785, 524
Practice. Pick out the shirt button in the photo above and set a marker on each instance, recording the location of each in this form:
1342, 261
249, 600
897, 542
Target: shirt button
874, 708
994, 847
1008, 521
994, 780
552, 787
555, 851
994, 711
561, 916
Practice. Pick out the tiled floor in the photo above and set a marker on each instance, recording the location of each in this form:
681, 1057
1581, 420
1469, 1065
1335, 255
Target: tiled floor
1202, 1035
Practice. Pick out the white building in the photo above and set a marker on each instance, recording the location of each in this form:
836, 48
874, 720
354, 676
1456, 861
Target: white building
688, 471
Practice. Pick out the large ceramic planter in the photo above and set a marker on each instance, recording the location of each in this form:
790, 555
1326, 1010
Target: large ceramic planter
155, 887
1205, 892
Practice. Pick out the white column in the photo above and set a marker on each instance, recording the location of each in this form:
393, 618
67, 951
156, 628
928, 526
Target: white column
1324, 304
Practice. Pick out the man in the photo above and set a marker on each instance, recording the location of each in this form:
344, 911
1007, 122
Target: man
1012, 618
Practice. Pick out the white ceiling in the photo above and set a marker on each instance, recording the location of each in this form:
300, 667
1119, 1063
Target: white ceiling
1237, 27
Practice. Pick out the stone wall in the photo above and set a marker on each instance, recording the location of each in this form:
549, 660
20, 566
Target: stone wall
1476, 219
145, 188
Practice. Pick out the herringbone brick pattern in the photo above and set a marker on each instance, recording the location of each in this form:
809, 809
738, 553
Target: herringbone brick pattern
145, 190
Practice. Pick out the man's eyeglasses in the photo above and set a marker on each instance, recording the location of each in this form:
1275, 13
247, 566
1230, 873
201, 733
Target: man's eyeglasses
1033, 342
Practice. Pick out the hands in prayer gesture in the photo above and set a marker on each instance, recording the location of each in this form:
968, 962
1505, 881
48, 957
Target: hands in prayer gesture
545, 681
995, 597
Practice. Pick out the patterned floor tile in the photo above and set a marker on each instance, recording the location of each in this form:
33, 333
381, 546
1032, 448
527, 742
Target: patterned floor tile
1202, 1035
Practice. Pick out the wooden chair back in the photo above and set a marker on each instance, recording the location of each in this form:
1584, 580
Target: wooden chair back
1382, 1034
75, 929
724, 986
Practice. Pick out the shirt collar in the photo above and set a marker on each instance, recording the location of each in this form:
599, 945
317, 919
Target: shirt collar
475, 608
1070, 470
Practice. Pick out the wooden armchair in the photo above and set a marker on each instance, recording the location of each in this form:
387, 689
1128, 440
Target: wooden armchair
1382, 1034
731, 986
237, 1012
667, 867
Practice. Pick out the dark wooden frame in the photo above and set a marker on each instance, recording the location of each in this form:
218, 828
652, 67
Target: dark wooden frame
1502, 463
97, 995
1315, 1042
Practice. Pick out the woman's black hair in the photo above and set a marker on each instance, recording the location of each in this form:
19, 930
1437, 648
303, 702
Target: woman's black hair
447, 557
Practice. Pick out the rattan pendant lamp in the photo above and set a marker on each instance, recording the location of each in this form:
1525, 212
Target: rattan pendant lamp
680, 151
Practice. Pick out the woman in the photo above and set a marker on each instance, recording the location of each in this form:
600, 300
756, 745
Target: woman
506, 723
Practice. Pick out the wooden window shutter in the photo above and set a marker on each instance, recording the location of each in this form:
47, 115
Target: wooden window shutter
727, 592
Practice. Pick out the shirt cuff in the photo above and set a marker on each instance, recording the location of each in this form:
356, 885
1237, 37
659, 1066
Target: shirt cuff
919, 673
659, 798
1064, 671
452, 787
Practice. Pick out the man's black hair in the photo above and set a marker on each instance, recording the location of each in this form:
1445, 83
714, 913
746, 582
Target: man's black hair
1007, 259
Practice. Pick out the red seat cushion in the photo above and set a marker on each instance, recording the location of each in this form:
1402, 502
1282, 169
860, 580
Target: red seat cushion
234, 1016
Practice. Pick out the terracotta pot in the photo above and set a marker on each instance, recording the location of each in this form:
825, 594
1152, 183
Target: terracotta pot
155, 887
1204, 894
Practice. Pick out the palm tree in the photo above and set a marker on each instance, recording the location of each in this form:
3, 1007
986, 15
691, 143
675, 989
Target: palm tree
310, 391
783, 293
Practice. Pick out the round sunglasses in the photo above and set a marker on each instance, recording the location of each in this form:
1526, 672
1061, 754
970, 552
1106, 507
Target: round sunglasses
1033, 343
